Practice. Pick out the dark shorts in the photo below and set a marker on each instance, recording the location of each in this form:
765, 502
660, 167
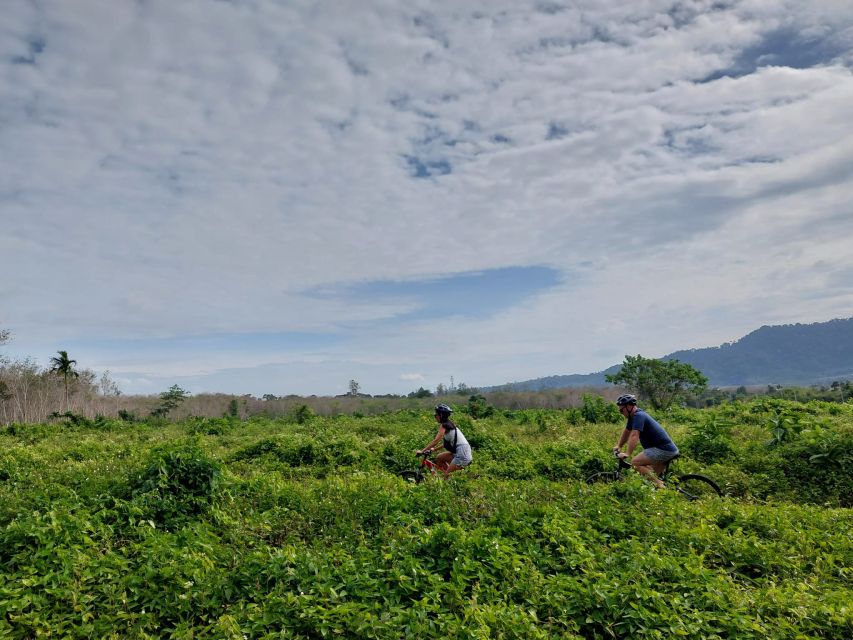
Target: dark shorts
659, 455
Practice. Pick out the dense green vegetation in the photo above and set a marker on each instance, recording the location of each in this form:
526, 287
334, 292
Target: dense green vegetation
659, 382
300, 528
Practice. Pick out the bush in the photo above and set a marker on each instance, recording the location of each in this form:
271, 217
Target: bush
710, 441
303, 414
478, 407
322, 452
818, 465
595, 409
180, 481
210, 426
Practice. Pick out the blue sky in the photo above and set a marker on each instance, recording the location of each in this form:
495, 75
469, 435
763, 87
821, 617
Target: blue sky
277, 197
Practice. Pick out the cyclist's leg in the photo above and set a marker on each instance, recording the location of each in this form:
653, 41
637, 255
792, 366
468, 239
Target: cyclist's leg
452, 467
649, 468
459, 460
442, 460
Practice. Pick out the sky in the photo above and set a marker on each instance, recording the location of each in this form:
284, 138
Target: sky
281, 196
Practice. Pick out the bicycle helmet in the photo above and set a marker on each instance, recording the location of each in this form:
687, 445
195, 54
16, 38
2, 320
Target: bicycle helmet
443, 410
627, 398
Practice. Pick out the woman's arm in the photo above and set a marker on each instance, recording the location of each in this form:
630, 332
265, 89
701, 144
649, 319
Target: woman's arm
438, 438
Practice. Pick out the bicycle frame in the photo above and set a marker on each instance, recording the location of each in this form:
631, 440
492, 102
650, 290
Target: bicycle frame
428, 464
691, 485
623, 465
418, 476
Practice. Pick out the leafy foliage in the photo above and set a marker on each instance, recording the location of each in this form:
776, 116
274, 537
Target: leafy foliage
271, 528
178, 481
303, 414
661, 382
62, 365
709, 441
594, 409
170, 400
478, 407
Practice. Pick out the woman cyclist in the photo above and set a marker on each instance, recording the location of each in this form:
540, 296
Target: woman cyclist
658, 447
457, 453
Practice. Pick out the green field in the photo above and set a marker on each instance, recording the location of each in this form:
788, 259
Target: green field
217, 528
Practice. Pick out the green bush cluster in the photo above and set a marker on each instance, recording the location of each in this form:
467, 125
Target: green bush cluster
179, 481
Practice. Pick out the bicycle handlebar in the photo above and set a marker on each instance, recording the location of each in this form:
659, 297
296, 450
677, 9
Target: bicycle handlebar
622, 463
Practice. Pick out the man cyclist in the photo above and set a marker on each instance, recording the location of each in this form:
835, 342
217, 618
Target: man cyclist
457, 454
658, 447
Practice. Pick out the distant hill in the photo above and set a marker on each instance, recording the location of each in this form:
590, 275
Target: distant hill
800, 354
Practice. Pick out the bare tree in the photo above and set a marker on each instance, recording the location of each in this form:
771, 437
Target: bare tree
108, 386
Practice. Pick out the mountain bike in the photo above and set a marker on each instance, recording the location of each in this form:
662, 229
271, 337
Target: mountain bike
427, 469
692, 486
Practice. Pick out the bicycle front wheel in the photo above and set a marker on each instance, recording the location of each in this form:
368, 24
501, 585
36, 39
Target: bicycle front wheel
414, 477
695, 487
602, 477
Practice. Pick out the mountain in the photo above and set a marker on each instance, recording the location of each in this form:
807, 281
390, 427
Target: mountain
799, 354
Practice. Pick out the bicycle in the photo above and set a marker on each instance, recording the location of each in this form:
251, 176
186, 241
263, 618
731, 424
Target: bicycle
692, 486
416, 476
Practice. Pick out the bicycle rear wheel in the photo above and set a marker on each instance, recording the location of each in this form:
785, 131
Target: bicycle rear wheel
415, 477
695, 487
602, 476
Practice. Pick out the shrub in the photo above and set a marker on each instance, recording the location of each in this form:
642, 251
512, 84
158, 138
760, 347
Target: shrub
478, 407
127, 416
709, 441
210, 426
179, 481
818, 466
303, 414
595, 409
322, 451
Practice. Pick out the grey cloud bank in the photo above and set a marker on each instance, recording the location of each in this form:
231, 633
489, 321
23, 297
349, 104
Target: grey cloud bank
193, 169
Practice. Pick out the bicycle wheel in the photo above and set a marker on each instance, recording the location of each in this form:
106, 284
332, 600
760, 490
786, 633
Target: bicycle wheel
602, 476
415, 477
695, 487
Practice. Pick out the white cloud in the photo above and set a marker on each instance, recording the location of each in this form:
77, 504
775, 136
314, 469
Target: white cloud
193, 168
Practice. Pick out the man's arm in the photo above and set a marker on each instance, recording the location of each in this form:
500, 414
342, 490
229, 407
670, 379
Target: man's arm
633, 440
622, 439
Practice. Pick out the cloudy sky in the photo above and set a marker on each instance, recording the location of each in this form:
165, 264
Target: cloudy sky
278, 196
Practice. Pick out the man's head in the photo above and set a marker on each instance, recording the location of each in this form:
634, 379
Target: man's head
627, 404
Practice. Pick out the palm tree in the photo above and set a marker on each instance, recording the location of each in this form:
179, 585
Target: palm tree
64, 366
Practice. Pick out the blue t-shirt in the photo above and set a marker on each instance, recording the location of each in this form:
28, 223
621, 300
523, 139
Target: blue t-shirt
651, 433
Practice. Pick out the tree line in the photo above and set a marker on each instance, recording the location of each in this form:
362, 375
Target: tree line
30, 393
